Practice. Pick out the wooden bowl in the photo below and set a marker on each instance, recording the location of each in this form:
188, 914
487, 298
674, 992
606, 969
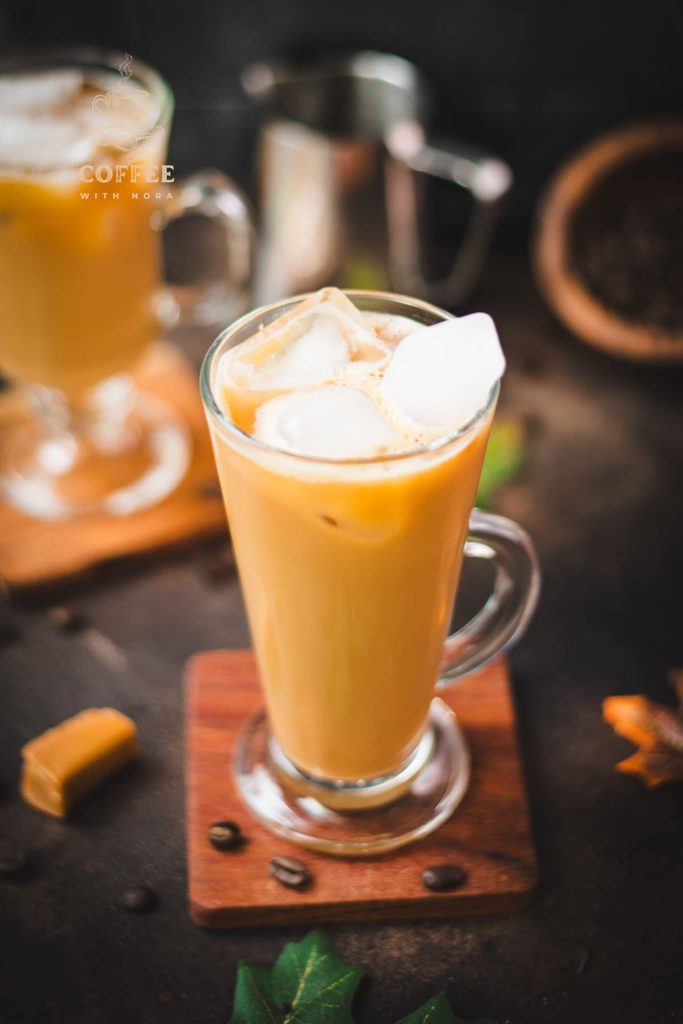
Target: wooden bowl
599, 174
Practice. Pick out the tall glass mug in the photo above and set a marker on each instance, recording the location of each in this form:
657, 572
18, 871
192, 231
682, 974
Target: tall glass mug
84, 191
349, 570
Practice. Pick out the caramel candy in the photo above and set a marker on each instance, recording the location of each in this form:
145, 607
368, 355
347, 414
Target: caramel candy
67, 762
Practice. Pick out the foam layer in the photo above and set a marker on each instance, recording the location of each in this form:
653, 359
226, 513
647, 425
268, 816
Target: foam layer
44, 142
40, 92
330, 381
56, 119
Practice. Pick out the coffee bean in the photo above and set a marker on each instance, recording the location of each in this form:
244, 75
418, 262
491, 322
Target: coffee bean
290, 872
13, 862
225, 835
67, 619
139, 899
444, 877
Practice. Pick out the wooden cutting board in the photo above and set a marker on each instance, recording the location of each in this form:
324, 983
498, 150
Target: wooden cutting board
35, 553
489, 835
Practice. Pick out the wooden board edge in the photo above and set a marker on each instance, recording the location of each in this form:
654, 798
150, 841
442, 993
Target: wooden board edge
413, 909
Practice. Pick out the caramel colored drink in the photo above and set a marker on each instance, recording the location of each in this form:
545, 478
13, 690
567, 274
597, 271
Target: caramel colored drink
348, 502
79, 261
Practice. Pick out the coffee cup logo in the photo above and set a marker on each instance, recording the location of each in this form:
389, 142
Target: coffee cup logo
121, 112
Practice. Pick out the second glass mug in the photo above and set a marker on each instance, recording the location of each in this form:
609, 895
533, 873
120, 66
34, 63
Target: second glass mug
80, 282
349, 570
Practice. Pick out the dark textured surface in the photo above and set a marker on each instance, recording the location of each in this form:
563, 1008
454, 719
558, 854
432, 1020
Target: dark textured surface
602, 496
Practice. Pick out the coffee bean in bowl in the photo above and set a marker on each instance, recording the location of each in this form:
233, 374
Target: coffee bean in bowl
608, 248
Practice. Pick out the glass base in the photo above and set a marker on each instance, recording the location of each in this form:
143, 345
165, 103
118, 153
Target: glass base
355, 819
127, 453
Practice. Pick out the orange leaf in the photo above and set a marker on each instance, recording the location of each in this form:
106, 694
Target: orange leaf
656, 730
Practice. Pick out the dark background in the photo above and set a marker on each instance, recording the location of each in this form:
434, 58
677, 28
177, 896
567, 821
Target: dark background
532, 79
601, 495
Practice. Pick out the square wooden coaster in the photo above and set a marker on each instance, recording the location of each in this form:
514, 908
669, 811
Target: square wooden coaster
34, 552
489, 834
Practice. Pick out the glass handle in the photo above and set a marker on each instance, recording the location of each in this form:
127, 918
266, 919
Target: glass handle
211, 194
470, 167
508, 610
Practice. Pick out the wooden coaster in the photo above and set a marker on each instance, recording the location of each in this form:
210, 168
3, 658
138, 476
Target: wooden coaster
489, 834
34, 552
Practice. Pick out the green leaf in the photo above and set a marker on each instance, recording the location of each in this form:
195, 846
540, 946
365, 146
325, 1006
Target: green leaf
504, 458
309, 984
254, 1003
437, 1010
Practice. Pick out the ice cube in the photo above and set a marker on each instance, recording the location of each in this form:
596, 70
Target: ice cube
314, 343
333, 423
41, 142
440, 377
316, 354
39, 92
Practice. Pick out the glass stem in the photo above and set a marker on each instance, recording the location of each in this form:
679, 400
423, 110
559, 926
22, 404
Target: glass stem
97, 418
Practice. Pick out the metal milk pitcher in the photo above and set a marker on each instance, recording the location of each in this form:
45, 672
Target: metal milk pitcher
344, 159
